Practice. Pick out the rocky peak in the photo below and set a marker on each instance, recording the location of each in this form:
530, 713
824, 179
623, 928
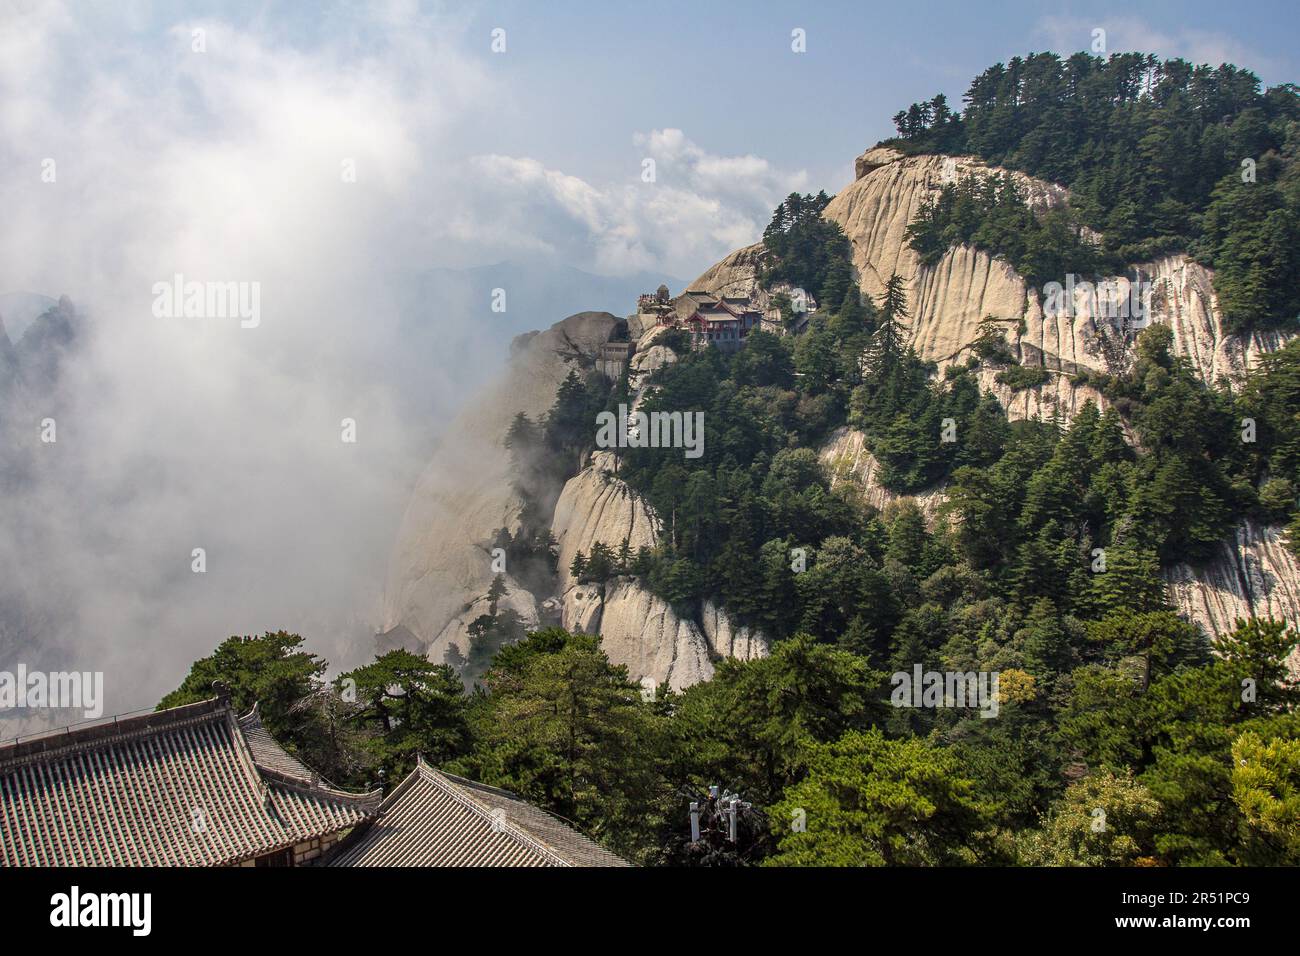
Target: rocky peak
441, 561
873, 159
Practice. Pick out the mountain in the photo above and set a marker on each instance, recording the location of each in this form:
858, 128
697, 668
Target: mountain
950, 299
440, 563
440, 573
18, 310
1252, 573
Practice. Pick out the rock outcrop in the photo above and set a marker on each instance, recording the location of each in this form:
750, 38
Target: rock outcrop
1253, 575
453, 641
581, 607
596, 507
949, 299
726, 639
649, 360
441, 569
739, 274
441, 559
845, 458
637, 628
641, 630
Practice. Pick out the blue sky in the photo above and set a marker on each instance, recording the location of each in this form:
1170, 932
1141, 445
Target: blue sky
580, 79
468, 157
724, 73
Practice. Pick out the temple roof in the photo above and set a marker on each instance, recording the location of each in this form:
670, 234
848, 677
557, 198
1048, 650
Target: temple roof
189, 786
435, 818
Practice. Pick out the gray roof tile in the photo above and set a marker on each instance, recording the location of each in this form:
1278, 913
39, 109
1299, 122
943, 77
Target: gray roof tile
180, 787
435, 818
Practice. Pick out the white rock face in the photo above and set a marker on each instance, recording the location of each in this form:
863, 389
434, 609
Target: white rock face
456, 632
648, 360
1254, 575
652, 359
948, 302
596, 506
645, 339
642, 631
845, 458
736, 275
951, 298
581, 608
441, 559
728, 640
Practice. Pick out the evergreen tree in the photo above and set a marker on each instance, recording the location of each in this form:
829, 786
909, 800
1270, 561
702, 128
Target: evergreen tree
871, 801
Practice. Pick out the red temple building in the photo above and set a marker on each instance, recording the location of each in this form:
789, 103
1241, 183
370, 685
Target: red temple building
724, 323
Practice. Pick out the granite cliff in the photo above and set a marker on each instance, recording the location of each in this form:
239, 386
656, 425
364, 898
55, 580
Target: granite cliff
1253, 573
440, 563
440, 569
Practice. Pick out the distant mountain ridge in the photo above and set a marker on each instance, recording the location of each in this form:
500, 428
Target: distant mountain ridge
18, 310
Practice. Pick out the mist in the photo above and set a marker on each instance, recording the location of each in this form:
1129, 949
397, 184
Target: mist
332, 175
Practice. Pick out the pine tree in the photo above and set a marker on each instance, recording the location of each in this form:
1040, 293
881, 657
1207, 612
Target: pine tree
887, 343
496, 591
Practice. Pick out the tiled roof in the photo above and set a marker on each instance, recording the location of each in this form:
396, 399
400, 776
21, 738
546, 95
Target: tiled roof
269, 755
438, 819
191, 785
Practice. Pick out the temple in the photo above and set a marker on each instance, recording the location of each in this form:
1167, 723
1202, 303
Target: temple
198, 785
434, 818
722, 321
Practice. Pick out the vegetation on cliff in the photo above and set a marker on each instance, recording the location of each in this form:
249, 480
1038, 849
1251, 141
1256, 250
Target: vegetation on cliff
1108, 701
1160, 156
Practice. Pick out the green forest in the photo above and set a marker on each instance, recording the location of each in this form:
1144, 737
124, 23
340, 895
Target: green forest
1109, 701
1160, 156
1120, 737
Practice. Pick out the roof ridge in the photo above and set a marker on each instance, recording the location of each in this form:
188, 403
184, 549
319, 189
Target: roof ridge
314, 783
519, 833
281, 779
55, 743
262, 778
478, 785
248, 764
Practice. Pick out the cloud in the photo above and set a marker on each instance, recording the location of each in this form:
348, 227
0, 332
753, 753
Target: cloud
176, 434
699, 207
226, 160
